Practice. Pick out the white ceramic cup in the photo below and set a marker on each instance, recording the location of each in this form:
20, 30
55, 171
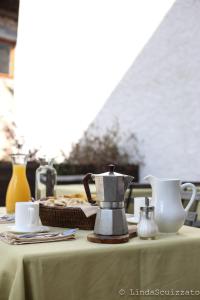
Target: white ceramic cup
139, 202
26, 216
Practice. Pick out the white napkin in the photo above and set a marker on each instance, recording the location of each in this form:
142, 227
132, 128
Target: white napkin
88, 210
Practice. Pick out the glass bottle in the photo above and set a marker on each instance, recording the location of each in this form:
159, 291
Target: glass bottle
18, 188
45, 181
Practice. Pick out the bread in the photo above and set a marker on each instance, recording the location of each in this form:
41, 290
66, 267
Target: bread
64, 201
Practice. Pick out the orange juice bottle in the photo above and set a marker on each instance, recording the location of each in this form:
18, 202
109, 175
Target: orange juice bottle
18, 188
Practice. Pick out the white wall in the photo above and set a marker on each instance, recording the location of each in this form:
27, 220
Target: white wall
159, 97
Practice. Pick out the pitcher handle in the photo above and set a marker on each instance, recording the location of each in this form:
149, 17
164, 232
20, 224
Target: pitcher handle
86, 179
194, 191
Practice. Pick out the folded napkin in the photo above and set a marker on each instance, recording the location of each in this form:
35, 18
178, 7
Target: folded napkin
33, 238
88, 209
7, 219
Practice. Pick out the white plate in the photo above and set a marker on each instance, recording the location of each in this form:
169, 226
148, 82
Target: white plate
13, 229
131, 219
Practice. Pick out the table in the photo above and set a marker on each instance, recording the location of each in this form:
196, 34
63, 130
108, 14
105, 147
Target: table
77, 269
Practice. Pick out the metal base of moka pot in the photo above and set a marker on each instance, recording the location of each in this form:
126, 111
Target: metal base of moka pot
111, 222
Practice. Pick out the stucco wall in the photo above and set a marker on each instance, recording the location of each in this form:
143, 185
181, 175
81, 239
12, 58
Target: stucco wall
159, 97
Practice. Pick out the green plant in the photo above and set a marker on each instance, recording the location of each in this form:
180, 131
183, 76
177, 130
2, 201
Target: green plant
104, 149
7, 138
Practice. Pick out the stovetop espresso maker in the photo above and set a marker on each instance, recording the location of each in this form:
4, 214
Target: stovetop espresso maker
110, 189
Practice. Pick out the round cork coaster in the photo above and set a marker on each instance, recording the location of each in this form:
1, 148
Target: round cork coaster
113, 239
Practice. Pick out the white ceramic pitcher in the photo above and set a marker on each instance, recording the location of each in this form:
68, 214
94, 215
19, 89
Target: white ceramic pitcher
166, 195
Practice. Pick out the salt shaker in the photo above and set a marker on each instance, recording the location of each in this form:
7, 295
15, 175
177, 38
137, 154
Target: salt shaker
147, 227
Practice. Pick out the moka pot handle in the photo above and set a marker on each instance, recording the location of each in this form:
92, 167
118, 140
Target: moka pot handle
86, 179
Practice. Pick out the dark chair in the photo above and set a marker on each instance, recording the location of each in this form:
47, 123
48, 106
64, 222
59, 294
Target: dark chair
134, 186
191, 218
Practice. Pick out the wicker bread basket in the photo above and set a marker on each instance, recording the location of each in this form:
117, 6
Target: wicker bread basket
71, 217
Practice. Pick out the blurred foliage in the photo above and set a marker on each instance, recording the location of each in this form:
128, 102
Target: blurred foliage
7, 138
10, 143
104, 149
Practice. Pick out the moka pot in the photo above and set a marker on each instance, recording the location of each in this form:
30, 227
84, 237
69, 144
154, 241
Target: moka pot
110, 189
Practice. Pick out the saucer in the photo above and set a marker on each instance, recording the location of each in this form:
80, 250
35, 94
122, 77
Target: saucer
35, 229
132, 219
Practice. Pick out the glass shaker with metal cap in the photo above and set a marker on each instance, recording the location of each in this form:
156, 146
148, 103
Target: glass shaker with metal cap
147, 227
46, 177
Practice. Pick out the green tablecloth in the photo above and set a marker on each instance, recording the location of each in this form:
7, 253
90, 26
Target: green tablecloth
78, 270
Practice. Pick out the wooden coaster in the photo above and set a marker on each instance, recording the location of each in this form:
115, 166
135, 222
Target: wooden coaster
113, 239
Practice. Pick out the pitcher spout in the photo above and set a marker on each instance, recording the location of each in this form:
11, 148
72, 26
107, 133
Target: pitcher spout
150, 179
